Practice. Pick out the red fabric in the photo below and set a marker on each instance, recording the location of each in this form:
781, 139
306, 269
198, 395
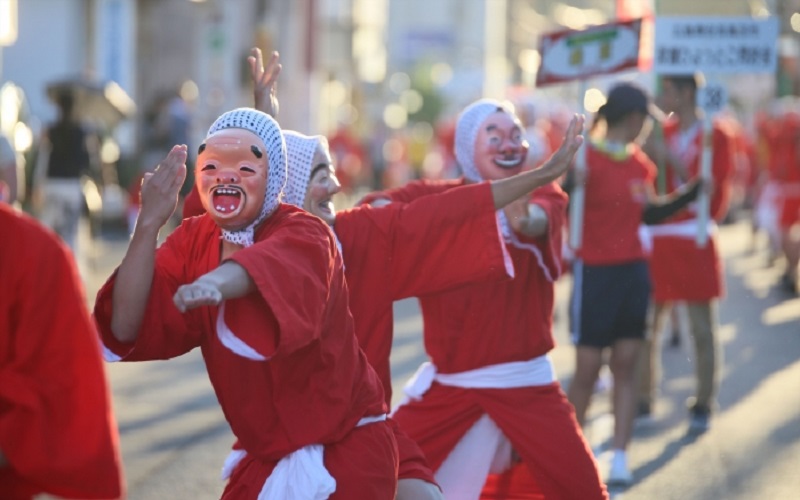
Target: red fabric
433, 244
615, 196
502, 322
406, 250
539, 422
413, 464
522, 327
317, 384
403, 250
192, 205
516, 483
364, 464
57, 427
790, 211
678, 268
722, 160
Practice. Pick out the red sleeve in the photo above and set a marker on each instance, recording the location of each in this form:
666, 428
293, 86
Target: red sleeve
721, 170
292, 268
192, 205
553, 201
165, 332
411, 191
57, 427
444, 241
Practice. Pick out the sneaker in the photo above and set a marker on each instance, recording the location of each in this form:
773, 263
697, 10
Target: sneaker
619, 475
699, 420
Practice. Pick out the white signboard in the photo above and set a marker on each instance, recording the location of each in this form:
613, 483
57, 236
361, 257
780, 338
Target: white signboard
715, 45
575, 55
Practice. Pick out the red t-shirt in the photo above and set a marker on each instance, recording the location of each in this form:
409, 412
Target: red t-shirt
688, 146
615, 196
316, 384
57, 427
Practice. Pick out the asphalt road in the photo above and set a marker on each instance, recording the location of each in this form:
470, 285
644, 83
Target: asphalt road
175, 439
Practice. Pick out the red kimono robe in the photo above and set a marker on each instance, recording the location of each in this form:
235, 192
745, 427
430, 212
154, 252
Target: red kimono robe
57, 428
315, 383
491, 323
434, 244
679, 269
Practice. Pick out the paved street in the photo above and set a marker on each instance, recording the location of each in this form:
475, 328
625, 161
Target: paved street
174, 438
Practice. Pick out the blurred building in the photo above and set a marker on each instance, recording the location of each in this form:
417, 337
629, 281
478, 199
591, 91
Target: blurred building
346, 63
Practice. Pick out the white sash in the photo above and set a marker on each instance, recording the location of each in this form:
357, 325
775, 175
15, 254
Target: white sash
534, 372
683, 229
299, 475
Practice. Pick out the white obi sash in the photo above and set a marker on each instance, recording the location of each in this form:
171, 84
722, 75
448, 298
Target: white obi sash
300, 475
534, 372
682, 229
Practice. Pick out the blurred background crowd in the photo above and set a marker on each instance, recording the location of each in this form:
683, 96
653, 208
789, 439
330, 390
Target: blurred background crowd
382, 79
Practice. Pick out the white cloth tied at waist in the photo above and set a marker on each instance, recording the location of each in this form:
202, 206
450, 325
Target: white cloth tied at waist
533, 372
682, 229
300, 475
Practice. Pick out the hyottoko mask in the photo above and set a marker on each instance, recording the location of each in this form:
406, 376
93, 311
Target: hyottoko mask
489, 142
241, 172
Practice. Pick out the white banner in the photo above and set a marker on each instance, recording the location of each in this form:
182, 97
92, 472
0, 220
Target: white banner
715, 45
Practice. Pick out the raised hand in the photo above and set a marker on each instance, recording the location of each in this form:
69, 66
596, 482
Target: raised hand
160, 188
265, 81
199, 293
561, 160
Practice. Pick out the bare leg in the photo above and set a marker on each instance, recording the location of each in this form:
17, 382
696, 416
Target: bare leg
588, 361
417, 489
650, 357
624, 356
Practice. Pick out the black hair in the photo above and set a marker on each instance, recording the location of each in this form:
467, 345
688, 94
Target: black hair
683, 82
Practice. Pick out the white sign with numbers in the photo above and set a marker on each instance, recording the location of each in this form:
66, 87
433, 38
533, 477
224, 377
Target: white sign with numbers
713, 97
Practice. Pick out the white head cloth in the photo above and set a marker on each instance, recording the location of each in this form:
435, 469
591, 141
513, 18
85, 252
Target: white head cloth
469, 121
270, 133
300, 150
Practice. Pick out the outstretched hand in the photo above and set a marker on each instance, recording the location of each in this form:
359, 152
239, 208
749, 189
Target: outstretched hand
561, 160
265, 81
160, 188
199, 293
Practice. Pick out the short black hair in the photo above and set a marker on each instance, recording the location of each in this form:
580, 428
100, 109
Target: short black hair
682, 82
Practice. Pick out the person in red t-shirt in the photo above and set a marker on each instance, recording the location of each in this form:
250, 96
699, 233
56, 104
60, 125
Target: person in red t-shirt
681, 270
611, 287
786, 175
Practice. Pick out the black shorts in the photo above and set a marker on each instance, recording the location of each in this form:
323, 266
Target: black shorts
609, 303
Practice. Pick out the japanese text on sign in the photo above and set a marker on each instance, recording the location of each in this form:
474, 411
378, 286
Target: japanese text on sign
715, 45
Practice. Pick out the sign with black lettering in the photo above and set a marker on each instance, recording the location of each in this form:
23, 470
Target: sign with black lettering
715, 45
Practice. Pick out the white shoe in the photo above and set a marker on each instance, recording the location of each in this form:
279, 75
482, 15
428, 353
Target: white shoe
619, 475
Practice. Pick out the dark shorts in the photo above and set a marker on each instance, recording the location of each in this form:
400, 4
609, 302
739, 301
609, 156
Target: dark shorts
609, 303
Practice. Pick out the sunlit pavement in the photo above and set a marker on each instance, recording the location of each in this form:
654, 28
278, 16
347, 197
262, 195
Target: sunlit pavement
174, 438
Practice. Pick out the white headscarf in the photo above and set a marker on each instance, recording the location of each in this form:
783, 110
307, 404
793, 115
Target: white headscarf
300, 150
270, 133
